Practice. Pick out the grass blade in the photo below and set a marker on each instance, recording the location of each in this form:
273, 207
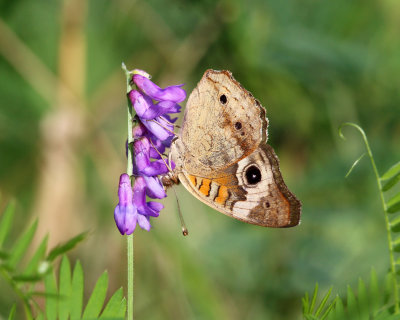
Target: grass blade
363, 299
65, 289
32, 267
323, 302
329, 309
96, 300
112, 308
77, 292
40, 317
51, 296
67, 246
374, 294
6, 221
22, 245
12, 312
306, 304
393, 170
314, 298
352, 306
339, 310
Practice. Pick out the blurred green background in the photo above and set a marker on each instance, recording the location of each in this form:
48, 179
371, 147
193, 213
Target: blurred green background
312, 64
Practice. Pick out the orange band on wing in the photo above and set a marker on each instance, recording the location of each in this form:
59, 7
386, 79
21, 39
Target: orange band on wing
193, 180
223, 195
205, 187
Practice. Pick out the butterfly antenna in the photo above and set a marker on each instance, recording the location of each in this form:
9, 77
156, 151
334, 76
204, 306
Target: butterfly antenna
185, 231
162, 126
165, 162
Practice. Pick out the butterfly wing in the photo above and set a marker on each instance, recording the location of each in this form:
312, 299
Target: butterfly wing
223, 123
222, 157
252, 190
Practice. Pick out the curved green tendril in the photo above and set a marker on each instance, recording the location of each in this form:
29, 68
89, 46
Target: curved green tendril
384, 206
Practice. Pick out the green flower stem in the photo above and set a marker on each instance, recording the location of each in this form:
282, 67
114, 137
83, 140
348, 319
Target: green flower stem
20, 294
387, 222
129, 238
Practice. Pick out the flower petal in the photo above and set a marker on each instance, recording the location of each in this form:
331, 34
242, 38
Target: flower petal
155, 168
130, 220
163, 131
154, 188
140, 102
157, 144
141, 149
125, 218
172, 93
125, 194
139, 130
163, 107
144, 222
157, 206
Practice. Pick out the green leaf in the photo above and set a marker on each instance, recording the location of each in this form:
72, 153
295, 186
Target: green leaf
352, 304
77, 292
392, 182
4, 255
394, 200
363, 300
27, 278
374, 294
393, 170
306, 304
113, 306
12, 312
6, 221
323, 302
63, 248
314, 298
394, 204
40, 317
395, 225
65, 289
329, 309
33, 265
22, 245
354, 164
122, 309
96, 300
396, 245
339, 310
51, 301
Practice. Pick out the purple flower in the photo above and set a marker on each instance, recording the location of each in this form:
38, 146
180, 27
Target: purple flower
172, 93
150, 208
132, 207
142, 164
125, 213
145, 108
153, 133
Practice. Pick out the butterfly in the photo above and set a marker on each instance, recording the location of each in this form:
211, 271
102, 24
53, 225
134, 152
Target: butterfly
222, 157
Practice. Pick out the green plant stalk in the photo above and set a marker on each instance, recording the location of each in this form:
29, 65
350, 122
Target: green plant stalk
387, 222
25, 300
129, 171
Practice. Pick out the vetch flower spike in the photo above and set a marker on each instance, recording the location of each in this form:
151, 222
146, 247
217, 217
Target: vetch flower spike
149, 137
